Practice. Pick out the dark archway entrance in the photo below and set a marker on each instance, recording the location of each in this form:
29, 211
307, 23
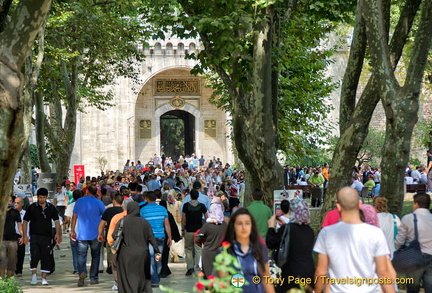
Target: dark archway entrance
177, 133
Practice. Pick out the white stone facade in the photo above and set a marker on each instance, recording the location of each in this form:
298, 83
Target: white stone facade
114, 133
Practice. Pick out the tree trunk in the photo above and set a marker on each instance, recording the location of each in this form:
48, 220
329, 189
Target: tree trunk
396, 152
32, 71
40, 134
401, 107
15, 45
350, 143
253, 125
353, 119
400, 103
26, 166
62, 138
354, 130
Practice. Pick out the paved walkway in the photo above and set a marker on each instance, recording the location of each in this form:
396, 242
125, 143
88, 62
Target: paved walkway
63, 281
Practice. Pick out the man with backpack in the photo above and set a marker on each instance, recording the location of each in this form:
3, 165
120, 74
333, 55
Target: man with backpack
157, 216
405, 234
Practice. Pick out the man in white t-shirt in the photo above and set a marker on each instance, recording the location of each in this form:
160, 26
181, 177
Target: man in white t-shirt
352, 250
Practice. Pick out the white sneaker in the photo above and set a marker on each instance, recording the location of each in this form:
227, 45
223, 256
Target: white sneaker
34, 279
45, 282
114, 287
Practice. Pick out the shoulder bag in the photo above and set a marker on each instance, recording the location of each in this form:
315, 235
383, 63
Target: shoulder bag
118, 237
283, 250
409, 258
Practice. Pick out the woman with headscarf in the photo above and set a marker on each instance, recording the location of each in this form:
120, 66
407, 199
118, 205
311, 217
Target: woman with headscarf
369, 215
133, 256
300, 263
210, 235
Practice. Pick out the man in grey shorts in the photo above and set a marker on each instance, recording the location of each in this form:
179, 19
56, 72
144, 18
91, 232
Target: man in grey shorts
9, 247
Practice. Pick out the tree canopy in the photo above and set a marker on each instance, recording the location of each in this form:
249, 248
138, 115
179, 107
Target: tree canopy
266, 64
88, 44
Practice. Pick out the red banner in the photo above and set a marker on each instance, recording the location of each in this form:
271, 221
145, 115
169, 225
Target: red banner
78, 173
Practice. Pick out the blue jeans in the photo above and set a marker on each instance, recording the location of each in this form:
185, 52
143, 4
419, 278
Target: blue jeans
424, 274
74, 248
377, 189
95, 248
156, 266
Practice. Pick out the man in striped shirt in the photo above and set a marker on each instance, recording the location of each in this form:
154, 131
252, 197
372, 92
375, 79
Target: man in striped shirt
157, 216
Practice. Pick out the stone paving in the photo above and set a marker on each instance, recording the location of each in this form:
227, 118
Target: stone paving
64, 281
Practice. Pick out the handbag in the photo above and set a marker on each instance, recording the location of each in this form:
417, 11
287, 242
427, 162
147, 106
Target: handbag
409, 258
283, 250
118, 237
275, 271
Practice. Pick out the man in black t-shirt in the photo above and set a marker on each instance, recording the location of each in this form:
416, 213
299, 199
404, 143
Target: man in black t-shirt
193, 212
40, 214
9, 247
117, 200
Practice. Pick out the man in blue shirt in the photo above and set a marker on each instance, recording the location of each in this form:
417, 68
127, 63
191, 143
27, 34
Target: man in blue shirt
202, 198
157, 216
153, 184
357, 185
170, 181
88, 211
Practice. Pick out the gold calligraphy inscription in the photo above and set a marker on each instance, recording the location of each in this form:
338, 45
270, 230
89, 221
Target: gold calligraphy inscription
190, 86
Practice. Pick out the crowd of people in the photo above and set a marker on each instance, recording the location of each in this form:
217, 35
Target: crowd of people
166, 210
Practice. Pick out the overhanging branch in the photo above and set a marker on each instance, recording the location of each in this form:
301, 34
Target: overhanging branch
353, 70
402, 30
377, 40
22, 29
421, 48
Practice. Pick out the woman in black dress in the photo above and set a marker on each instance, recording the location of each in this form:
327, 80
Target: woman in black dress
210, 235
300, 263
133, 256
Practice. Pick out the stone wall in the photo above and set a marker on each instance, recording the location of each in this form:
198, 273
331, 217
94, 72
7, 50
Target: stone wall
113, 133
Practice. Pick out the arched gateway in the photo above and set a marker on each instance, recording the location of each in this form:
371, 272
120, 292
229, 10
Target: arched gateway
136, 126
175, 117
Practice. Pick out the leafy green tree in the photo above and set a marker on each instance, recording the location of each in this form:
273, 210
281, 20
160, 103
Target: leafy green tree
19, 26
385, 45
371, 148
303, 102
34, 156
253, 50
423, 133
87, 45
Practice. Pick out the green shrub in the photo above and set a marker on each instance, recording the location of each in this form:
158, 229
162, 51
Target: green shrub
10, 286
